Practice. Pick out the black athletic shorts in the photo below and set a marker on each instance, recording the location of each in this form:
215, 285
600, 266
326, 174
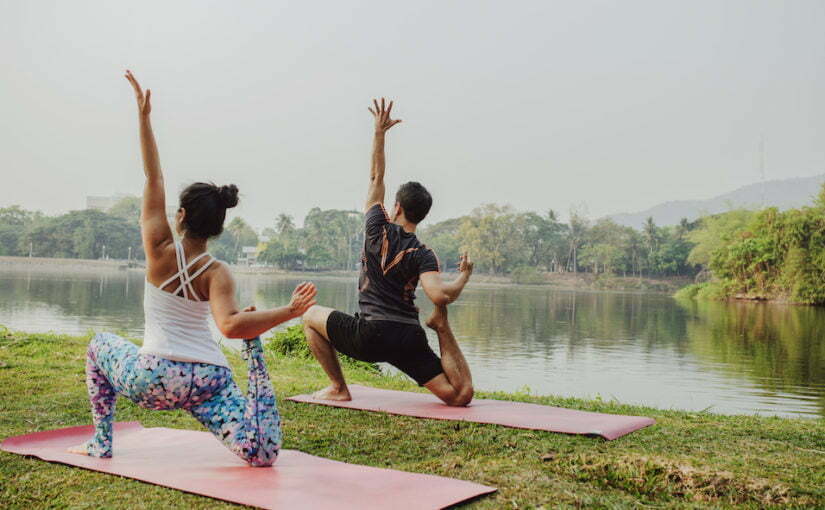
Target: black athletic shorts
402, 345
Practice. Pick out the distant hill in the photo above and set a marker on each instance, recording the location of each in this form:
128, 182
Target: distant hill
783, 193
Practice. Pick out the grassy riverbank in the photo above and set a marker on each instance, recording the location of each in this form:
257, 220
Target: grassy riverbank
715, 291
686, 460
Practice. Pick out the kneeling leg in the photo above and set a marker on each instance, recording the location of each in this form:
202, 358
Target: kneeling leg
250, 427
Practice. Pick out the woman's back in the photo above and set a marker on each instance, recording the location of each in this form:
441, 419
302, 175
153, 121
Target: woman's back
176, 318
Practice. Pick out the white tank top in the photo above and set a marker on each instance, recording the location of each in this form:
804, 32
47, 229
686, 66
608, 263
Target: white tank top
177, 327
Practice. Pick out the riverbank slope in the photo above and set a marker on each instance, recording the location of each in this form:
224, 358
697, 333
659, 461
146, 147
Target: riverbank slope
685, 460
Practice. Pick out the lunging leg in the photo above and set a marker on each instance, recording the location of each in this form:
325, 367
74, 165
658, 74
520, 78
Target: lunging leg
315, 328
250, 427
110, 362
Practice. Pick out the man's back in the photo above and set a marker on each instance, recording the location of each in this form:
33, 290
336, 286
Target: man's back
391, 263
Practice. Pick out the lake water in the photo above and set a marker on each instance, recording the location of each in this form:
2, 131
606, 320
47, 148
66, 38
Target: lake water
740, 358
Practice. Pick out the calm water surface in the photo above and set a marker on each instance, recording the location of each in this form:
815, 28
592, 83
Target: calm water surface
636, 348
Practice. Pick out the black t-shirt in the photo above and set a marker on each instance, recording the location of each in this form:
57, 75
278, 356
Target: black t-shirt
390, 264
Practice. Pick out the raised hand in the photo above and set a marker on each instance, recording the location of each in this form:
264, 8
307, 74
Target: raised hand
303, 297
381, 112
143, 100
465, 265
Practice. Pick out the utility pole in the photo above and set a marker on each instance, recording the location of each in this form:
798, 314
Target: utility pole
31, 248
129, 255
762, 166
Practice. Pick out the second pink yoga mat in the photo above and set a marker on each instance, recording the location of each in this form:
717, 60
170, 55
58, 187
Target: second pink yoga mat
196, 462
500, 412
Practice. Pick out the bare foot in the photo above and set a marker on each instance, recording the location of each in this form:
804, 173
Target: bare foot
79, 449
332, 393
438, 320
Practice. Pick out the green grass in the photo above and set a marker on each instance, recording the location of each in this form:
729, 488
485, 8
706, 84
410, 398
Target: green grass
686, 460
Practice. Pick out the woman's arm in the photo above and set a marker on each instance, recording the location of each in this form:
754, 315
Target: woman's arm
235, 323
153, 224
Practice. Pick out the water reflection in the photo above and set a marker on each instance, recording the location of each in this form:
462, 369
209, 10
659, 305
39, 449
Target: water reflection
735, 358
779, 346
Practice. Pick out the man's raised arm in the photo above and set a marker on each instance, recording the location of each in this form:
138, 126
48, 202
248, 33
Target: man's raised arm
383, 122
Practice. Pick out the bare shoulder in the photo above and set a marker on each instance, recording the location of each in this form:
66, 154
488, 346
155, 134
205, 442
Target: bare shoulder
219, 269
217, 280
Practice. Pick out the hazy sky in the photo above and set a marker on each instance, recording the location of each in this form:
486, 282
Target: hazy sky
617, 105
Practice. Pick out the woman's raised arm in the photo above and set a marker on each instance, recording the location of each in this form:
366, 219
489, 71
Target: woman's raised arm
154, 226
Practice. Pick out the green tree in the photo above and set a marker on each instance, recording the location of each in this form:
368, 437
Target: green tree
576, 235
14, 221
235, 236
443, 239
284, 224
543, 236
284, 251
87, 234
605, 243
127, 208
491, 233
714, 232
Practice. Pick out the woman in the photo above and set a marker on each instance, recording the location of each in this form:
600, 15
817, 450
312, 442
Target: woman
180, 366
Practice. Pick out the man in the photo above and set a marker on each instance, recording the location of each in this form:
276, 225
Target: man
392, 263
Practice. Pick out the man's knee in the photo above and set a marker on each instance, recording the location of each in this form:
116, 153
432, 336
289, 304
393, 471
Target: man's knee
462, 396
314, 317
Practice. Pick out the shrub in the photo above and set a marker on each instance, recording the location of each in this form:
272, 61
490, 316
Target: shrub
689, 291
526, 275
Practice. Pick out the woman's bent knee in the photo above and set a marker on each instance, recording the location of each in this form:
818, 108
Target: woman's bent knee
264, 460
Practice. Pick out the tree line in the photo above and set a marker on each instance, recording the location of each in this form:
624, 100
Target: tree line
766, 254
758, 254
94, 234
503, 241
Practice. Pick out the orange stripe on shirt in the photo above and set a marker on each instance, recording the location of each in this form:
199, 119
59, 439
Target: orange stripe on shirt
397, 259
385, 247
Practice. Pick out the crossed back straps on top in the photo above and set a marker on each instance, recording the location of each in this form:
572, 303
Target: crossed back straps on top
183, 275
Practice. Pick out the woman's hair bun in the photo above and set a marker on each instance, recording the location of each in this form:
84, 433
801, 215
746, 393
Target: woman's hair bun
229, 195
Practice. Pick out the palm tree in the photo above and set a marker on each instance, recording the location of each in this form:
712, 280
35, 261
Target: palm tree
284, 224
650, 233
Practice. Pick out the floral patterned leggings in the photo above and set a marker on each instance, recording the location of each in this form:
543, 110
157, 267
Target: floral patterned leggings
250, 427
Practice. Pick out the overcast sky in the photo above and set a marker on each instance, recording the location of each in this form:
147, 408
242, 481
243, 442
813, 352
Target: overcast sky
616, 105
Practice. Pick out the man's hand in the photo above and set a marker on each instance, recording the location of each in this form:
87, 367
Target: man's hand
381, 112
465, 265
143, 100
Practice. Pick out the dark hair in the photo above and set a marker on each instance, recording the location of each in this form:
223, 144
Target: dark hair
415, 200
205, 205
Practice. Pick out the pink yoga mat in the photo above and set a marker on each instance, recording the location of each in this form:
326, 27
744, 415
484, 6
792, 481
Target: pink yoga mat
196, 462
500, 412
